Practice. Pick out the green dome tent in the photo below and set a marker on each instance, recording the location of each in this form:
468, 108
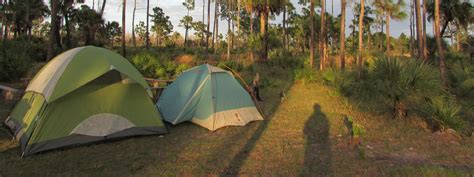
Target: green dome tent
208, 96
84, 95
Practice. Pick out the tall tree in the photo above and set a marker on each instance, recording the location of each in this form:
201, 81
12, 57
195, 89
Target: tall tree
311, 40
392, 10
103, 8
249, 8
187, 20
419, 29
442, 67
134, 39
215, 29
124, 6
284, 25
264, 8
322, 36
425, 52
2, 20
458, 12
208, 24
361, 34
412, 31
52, 34
162, 26
147, 38
343, 34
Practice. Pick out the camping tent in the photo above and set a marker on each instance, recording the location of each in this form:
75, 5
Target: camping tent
208, 96
84, 95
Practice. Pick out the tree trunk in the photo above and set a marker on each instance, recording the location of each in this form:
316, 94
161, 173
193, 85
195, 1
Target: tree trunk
284, 27
238, 29
263, 30
251, 33
322, 36
52, 35
147, 39
361, 33
2, 23
387, 23
186, 34
442, 67
228, 38
425, 48
412, 51
216, 22
458, 38
134, 39
343, 34
102, 8
124, 50
68, 30
208, 24
419, 29
311, 40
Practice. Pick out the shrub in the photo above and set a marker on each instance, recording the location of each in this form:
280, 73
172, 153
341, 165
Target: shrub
305, 75
445, 114
14, 61
396, 84
151, 66
341, 81
286, 61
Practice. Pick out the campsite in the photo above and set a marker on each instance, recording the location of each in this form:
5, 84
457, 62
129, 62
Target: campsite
254, 88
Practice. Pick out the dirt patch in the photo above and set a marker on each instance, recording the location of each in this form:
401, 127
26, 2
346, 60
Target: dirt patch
184, 59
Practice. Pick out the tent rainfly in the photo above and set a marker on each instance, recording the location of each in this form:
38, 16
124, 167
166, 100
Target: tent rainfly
208, 96
82, 96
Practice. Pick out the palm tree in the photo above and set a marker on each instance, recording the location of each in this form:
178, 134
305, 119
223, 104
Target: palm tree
391, 10
361, 33
442, 67
264, 8
343, 34
322, 35
52, 31
124, 52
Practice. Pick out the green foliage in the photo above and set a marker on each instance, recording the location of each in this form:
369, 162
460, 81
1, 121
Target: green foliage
461, 74
341, 81
445, 114
285, 61
305, 75
140, 29
236, 66
151, 66
14, 61
397, 84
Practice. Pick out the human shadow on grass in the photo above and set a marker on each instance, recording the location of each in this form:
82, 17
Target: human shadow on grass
317, 159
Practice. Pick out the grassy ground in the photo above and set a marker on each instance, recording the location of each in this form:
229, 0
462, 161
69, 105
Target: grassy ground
302, 134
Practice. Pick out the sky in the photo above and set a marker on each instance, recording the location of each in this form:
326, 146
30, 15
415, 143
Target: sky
175, 9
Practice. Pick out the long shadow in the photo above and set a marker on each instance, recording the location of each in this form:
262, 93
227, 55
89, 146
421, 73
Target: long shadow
317, 161
238, 160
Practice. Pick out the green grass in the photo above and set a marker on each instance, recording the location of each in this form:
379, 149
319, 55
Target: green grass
303, 134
